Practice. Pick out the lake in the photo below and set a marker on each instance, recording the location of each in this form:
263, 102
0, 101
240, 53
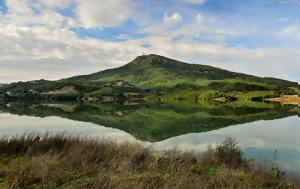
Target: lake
268, 133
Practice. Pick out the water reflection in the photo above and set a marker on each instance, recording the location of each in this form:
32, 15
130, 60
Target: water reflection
15, 125
159, 121
260, 128
259, 140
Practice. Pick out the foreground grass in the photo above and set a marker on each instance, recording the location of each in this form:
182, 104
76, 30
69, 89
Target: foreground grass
68, 162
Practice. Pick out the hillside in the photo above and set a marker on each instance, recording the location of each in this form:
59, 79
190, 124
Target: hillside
154, 71
152, 75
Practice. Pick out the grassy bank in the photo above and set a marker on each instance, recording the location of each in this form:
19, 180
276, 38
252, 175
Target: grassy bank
68, 162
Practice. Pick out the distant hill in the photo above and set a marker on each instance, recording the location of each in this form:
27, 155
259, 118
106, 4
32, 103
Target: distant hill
154, 74
150, 71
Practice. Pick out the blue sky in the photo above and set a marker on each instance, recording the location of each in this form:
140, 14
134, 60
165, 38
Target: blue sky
267, 17
52, 39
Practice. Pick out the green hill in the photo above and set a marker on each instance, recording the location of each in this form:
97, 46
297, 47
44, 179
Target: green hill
181, 98
155, 75
154, 71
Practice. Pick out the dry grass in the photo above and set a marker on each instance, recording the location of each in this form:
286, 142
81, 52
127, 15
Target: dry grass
68, 162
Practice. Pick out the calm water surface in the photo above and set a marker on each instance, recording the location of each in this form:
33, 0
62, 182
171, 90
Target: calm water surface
258, 139
266, 132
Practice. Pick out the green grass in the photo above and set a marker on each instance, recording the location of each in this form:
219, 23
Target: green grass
160, 75
62, 162
105, 91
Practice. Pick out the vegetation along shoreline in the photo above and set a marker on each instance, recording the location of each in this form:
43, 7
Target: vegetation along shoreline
60, 161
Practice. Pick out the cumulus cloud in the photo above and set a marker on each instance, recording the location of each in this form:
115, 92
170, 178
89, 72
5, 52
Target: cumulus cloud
173, 18
297, 2
34, 53
205, 28
55, 3
40, 51
103, 13
88, 14
292, 31
24, 13
194, 1
199, 18
38, 42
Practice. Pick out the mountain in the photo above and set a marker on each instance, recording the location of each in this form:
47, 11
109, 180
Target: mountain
156, 71
154, 75
150, 71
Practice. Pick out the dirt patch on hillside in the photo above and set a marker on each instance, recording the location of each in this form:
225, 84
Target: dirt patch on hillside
292, 100
63, 107
63, 90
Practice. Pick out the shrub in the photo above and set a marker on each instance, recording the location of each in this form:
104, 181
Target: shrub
228, 153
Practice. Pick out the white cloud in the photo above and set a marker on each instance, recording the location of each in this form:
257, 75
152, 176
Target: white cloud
207, 28
292, 31
21, 14
89, 14
103, 13
40, 44
194, 1
297, 2
173, 18
55, 3
36, 41
33, 53
41, 51
199, 18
